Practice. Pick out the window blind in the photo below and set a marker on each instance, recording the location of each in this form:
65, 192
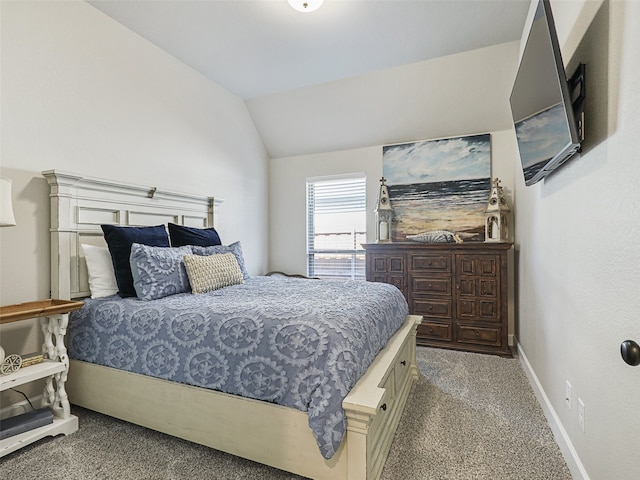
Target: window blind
336, 227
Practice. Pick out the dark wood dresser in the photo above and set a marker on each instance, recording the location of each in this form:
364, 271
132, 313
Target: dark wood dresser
461, 290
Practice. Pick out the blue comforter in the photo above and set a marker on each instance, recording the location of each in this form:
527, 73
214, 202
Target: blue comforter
299, 343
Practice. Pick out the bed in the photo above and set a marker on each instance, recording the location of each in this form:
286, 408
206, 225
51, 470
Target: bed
264, 431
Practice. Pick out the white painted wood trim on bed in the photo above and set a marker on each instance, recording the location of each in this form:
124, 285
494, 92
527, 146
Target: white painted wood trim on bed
80, 204
261, 431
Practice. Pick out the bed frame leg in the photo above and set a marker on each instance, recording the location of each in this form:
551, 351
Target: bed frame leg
357, 430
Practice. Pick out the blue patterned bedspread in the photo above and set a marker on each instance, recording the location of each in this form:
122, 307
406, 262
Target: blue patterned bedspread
299, 343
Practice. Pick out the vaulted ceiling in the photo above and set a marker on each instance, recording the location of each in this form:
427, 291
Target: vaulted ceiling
311, 81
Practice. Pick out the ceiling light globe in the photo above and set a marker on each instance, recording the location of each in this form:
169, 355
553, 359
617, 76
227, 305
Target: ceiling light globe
305, 6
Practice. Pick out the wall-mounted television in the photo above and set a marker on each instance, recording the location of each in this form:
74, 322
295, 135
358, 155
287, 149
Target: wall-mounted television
544, 114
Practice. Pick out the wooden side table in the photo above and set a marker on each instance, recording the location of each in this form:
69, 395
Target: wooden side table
54, 318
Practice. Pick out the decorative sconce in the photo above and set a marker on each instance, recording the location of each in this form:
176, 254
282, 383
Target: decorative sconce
383, 214
495, 215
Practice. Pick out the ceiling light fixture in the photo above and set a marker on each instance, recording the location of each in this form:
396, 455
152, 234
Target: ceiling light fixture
305, 5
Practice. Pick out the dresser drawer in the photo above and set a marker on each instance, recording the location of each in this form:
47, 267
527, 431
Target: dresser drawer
479, 335
487, 288
435, 331
402, 367
387, 264
431, 285
431, 263
478, 265
431, 307
395, 280
474, 309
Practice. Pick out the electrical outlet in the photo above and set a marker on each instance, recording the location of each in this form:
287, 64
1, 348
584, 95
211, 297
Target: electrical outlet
581, 412
567, 394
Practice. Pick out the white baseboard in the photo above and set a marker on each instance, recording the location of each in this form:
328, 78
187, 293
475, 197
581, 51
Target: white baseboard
560, 434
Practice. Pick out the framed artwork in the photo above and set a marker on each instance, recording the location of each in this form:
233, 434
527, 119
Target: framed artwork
439, 185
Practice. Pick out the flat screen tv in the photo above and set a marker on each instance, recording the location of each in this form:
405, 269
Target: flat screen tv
541, 105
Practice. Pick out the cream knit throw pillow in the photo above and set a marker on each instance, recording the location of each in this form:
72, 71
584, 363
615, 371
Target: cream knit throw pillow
211, 272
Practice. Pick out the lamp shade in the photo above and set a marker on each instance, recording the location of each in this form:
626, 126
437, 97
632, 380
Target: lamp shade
6, 206
306, 5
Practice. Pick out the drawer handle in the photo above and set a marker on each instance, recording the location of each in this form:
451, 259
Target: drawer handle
383, 407
403, 363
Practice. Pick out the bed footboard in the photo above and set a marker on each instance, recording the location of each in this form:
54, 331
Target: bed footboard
264, 432
374, 406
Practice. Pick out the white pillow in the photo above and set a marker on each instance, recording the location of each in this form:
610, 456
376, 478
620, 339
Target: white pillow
102, 279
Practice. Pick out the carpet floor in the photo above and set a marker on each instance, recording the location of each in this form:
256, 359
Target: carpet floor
469, 416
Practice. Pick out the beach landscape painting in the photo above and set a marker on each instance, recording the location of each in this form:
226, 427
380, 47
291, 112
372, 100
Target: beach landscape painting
439, 185
540, 137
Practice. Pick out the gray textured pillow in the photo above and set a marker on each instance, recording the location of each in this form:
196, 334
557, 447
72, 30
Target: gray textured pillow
158, 271
211, 272
234, 248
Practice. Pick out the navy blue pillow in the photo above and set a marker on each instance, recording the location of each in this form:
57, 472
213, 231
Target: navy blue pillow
203, 237
119, 241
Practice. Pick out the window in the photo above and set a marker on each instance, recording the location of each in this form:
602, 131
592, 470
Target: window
336, 227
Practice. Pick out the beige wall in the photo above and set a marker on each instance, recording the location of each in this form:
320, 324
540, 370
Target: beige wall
84, 94
81, 93
287, 175
577, 234
435, 98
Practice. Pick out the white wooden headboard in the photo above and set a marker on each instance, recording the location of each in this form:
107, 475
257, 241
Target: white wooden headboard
80, 204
